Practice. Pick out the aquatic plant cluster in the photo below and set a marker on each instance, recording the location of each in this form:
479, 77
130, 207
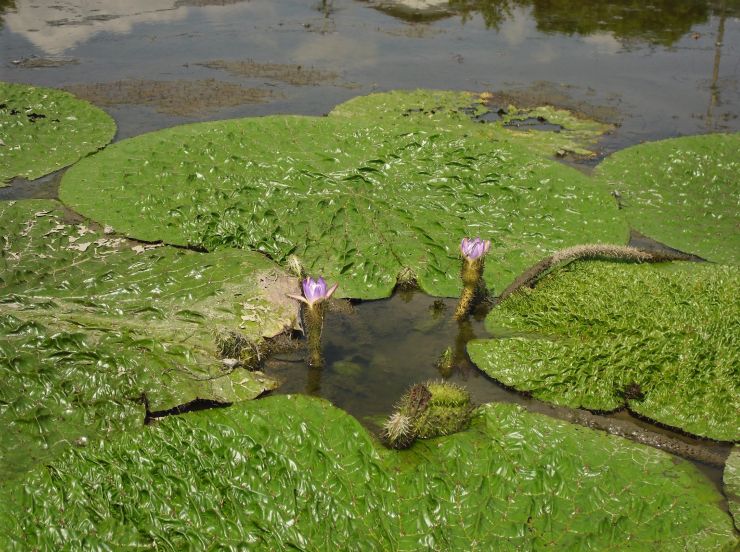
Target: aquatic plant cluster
393, 198
316, 292
385, 185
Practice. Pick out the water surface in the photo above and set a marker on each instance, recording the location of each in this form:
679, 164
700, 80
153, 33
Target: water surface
659, 68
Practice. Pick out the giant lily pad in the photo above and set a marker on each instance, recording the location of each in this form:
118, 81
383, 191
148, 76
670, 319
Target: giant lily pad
358, 199
43, 130
683, 192
464, 111
661, 340
296, 473
92, 326
571, 134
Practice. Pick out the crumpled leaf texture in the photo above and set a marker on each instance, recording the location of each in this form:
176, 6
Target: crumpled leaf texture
684, 192
43, 130
358, 199
592, 330
458, 110
90, 322
293, 472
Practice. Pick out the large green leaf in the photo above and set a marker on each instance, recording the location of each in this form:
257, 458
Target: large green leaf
464, 111
43, 130
92, 325
358, 199
601, 335
684, 192
442, 109
575, 135
296, 473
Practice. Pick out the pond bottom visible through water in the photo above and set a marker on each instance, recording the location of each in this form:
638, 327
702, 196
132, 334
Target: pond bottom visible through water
375, 350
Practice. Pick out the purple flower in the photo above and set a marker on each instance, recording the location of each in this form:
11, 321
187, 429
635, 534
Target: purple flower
475, 248
314, 291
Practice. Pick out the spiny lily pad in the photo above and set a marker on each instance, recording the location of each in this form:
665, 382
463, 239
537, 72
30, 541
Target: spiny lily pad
43, 130
465, 111
661, 339
92, 325
357, 200
438, 108
296, 473
732, 483
683, 192
571, 134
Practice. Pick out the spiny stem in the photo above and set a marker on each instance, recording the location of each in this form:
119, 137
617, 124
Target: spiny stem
314, 319
589, 251
471, 275
467, 298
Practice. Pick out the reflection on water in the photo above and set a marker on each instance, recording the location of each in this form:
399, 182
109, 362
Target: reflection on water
59, 26
611, 54
5, 5
658, 22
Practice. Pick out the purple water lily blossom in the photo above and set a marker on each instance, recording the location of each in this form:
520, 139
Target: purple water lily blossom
315, 291
475, 248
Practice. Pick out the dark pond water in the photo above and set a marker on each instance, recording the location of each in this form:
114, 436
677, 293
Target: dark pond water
658, 68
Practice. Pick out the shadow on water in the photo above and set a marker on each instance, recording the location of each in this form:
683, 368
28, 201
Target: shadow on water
374, 351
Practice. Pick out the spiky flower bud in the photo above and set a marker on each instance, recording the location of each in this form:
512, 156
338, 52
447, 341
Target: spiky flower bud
428, 410
473, 252
398, 432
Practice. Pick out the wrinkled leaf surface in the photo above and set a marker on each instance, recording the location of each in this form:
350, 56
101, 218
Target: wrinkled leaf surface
591, 332
90, 324
358, 198
43, 130
684, 192
289, 473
